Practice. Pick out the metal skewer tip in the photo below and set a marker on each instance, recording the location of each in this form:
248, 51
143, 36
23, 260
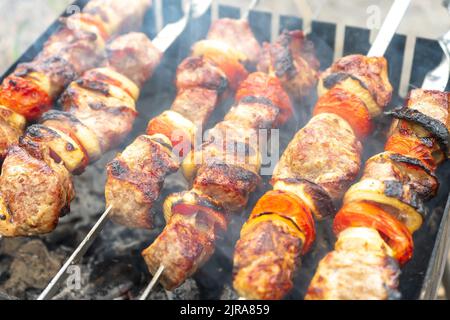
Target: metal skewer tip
152, 283
76, 256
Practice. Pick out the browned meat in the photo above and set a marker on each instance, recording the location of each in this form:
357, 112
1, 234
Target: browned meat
82, 47
228, 184
66, 122
134, 56
292, 59
372, 72
237, 34
11, 127
58, 72
325, 152
33, 193
388, 166
107, 110
361, 267
196, 104
135, 178
62, 147
253, 113
118, 16
183, 246
265, 259
195, 72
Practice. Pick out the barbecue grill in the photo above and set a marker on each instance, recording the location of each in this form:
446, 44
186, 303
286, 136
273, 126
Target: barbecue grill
113, 268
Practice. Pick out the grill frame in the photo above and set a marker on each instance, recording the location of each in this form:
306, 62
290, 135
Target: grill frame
440, 239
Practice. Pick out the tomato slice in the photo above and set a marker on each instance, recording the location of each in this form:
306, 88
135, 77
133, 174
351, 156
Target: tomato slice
180, 139
289, 206
262, 85
365, 214
412, 147
211, 215
349, 107
229, 64
24, 97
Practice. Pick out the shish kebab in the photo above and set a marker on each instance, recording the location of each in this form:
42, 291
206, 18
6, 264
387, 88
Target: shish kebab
380, 213
195, 218
223, 177
135, 177
319, 164
77, 46
98, 112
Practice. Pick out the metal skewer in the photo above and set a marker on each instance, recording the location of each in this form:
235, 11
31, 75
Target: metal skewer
164, 39
384, 37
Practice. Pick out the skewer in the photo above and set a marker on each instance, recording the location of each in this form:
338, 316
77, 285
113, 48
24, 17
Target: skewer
79, 252
152, 283
387, 31
435, 80
160, 270
162, 41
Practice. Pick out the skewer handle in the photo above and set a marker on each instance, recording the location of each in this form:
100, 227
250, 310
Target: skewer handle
76, 256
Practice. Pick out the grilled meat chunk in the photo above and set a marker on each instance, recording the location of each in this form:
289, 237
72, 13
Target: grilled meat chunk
195, 72
388, 166
62, 147
183, 246
372, 72
265, 259
57, 71
134, 56
105, 109
292, 59
361, 267
324, 152
237, 34
34, 192
135, 178
66, 122
229, 184
11, 127
118, 16
79, 43
195, 104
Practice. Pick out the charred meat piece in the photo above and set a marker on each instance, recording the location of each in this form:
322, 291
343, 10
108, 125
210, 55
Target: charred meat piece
107, 110
372, 72
134, 56
390, 166
11, 127
292, 59
265, 258
183, 246
229, 184
361, 267
58, 72
34, 193
195, 104
118, 16
62, 147
78, 42
135, 178
325, 152
237, 34
195, 72
66, 122
253, 113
